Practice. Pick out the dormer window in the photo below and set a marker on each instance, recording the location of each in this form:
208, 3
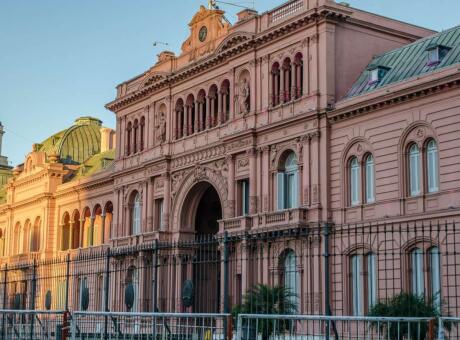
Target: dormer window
436, 54
377, 73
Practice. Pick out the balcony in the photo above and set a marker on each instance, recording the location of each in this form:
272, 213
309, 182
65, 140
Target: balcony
267, 220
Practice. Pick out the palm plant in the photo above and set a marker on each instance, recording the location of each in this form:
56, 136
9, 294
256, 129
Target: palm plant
264, 299
406, 305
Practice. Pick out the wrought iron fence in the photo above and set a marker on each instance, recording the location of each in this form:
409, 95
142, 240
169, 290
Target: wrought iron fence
311, 269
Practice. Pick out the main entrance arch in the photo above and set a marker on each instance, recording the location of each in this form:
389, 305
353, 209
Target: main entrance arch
201, 211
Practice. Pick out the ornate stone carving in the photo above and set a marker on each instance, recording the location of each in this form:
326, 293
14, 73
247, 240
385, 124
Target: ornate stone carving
245, 96
161, 127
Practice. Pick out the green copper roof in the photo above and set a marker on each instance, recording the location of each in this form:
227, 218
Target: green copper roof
75, 144
409, 61
101, 161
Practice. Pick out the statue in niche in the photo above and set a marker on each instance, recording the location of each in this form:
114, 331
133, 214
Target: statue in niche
161, 128
245, 96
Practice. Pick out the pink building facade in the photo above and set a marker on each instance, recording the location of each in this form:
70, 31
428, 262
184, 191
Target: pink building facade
274, 134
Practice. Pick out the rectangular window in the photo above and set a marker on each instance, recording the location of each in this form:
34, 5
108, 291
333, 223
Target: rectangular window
243, 187
159, 214
432, 165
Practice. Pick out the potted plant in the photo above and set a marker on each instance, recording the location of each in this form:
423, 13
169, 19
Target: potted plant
264, 299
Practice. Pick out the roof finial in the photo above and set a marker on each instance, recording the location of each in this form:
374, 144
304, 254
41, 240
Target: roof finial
211, 4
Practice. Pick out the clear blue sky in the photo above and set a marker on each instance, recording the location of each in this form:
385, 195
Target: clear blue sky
60, 59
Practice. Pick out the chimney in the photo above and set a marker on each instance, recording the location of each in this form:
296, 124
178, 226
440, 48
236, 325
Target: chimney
246, 14
107, 139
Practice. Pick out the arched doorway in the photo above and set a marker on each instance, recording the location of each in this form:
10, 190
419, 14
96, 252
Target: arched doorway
201, 212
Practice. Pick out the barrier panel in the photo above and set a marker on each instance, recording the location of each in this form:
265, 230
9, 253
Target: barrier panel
31, 325
306, 327
101, 325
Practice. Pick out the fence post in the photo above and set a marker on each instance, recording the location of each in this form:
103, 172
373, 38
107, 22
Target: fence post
326, 278
67, 277
226, 323
106, 292
32, 297
5, 283
440, 329
155, 276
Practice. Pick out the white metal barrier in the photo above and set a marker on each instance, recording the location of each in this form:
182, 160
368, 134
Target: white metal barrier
31, 325
100, 325
449, 328
306, 327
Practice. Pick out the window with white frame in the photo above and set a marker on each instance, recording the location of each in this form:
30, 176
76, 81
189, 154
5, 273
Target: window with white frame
414, 170
291, 276
243, 187
432, 166
417, 275
287, 181
82, 285
136, 215
369, 179
363, 283
354, 181
435, 277
426, 282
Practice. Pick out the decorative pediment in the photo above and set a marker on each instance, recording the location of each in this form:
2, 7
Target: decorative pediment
152, 77
233, 40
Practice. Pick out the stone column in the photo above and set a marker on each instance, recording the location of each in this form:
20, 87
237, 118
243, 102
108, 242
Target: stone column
144, 207
197, 118
231, 185
252, 154
294, 68
208, 112
82, 231
166, 201
186, 122
91, 230
102, 231
282, 84
265, 174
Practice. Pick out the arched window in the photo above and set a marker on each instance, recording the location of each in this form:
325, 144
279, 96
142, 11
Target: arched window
291, 276
287, 80
25, 233
136, 214
354, 181
35, 236
65, 232
363, 283
17, 239
276, 84
432, 164
108, 222
76, 230
141, 144
179, 118
417, 275
414, 170
225, 91
369, 171
128, 138
287, 179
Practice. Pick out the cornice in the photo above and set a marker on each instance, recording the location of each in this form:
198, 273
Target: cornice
325, 12
402, 96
